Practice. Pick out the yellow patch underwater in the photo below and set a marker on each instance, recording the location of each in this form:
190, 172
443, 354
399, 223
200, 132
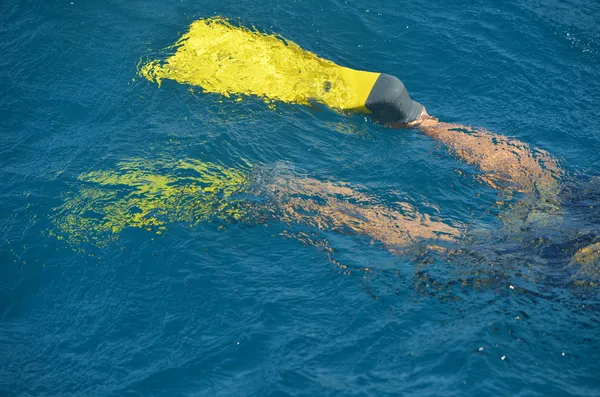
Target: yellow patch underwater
147, 195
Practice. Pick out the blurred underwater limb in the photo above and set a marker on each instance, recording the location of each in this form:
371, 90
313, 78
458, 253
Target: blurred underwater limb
151, 195
154, 195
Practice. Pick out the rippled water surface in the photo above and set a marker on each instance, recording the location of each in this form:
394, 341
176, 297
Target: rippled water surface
145, 249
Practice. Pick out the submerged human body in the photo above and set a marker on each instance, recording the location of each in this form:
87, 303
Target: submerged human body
230, 60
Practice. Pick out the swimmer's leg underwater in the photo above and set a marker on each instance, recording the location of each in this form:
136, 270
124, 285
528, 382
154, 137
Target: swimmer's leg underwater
507, 164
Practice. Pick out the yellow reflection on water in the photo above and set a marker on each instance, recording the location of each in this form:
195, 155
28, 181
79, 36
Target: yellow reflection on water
148, 195
233, 60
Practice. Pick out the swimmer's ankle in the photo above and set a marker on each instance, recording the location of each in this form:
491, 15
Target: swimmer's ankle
424, 121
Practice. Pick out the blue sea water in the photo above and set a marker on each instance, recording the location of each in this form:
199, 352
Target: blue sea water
224, 309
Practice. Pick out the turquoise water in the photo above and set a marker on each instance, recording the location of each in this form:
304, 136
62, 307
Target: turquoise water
265, 307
